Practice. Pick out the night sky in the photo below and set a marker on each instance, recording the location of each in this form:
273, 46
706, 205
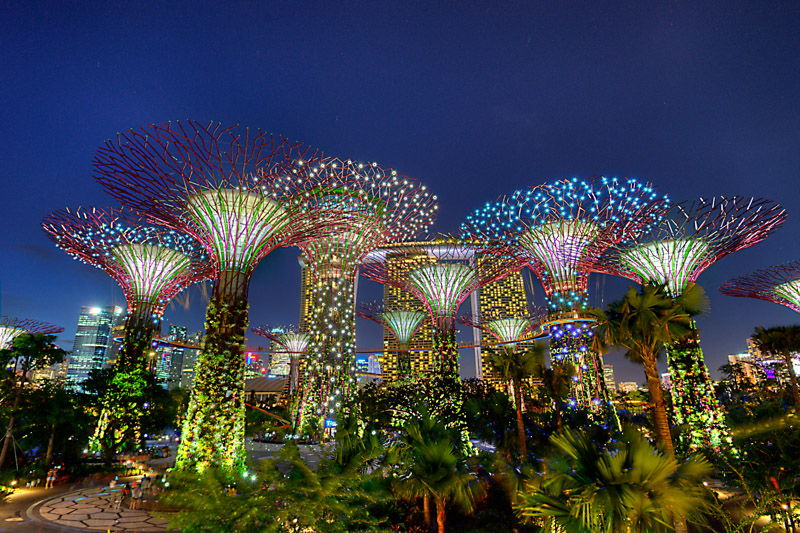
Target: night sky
475, 99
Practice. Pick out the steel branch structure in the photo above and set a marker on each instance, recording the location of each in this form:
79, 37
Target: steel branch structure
560, 229
151, 265
294, 344
778, 284
403, 324
674, 253
12, 327
359, 207
239, 194
508, 330
456, 269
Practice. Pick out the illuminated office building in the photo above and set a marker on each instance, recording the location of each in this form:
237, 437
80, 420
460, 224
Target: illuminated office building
94, 339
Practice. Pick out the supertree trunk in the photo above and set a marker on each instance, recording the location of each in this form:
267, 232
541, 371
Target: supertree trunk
694, 401
213, 432
404, 364
121, 407
330, 368
570, 343
445, 349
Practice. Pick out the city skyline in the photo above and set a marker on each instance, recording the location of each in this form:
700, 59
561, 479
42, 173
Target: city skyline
661, 99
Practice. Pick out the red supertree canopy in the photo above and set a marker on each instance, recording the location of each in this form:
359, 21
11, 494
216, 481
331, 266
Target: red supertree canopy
287, 337
778, 284
454, 269
237, 192
151, 264
358, 207
691, 238
12, 327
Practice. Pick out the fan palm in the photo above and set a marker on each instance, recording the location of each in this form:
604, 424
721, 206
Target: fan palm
435, 469
556, 381
643, 322
515, 368
625, 486
784, 341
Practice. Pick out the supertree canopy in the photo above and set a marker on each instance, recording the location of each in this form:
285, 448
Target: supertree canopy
239, 194
403, 324
778, 284
674, 253
293, 342
506, 329
12, 327
456, 269
151, 265
561, 228
359, 207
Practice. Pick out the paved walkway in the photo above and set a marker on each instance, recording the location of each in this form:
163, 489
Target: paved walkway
97, 509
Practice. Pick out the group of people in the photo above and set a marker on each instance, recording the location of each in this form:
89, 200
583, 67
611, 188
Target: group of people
136, 491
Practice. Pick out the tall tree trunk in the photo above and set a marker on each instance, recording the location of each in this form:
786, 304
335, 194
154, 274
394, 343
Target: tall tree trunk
660, 421
440, 514
792, 377
10, 427
48, 457
523, 451
426, 510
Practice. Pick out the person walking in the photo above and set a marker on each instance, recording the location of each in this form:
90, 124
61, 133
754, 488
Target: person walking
51, 477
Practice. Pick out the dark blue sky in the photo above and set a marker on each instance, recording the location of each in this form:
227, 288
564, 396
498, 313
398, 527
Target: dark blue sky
475, 99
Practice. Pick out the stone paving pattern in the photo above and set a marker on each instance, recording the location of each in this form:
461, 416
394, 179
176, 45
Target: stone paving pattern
99, 510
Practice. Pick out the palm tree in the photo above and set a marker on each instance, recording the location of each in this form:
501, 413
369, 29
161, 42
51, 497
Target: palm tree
434, 468
782, 340
643, 322
555, 380
624, 486
515, 368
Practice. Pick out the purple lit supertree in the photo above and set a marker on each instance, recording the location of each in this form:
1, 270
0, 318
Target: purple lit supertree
294, 345
238, 193
151, 264
674, 253
12, 327
403, 324
456, 269
561, 228
361, 206
778, 284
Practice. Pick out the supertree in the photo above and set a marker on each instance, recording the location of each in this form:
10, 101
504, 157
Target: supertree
12, 327
561, 228
674, 253
778, 284
293, 342
238, 193
151, 264
402, 323
455, 269
360, 207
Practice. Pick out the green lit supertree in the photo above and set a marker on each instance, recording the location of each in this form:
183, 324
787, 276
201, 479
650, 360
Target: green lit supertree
560, 228
359, 207
402, 323
456, 269
152, 265
293, 343
673, 253
239, 194
778, 284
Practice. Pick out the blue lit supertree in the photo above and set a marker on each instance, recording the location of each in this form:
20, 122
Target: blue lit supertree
561, 228
674, 253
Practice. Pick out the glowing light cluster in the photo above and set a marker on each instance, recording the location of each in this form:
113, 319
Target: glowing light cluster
445, 285
12, 327
403, 324
777, 284
666, 262
506, 329
151, 268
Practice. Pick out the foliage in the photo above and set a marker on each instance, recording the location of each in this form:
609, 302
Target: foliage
283, 495
783, 341
624, 485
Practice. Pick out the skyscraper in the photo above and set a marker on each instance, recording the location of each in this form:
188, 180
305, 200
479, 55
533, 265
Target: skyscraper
189, 359
608, 377
94, 340
169, 366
